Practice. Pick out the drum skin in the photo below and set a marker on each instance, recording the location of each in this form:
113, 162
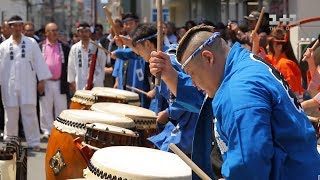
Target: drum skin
73, 159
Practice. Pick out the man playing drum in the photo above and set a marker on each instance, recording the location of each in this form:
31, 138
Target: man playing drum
144, 41
263, 133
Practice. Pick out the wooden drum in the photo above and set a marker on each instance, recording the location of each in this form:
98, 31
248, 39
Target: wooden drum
129, 162
107, 94
144, 119
64, 159
82, 99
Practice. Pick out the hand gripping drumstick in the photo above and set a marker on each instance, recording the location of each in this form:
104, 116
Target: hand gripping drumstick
160, 36
100, 47
188, 161
315, 45
108, 14
259, 20
136, 89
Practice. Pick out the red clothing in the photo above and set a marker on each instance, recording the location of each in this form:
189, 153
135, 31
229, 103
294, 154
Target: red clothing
289, 70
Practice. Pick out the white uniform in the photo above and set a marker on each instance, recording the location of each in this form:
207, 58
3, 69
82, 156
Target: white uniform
20, 65
79, 65
53, 102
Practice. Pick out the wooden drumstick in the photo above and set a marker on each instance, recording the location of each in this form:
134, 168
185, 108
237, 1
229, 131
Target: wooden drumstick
108, 14
100, 47
189, 162
159, 37
136, 89
315, 45
259, 21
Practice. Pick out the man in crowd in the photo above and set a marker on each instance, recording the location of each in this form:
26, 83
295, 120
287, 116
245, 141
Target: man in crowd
54, 99
80, 58
21, 65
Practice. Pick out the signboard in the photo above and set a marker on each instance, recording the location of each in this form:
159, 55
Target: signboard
165, 15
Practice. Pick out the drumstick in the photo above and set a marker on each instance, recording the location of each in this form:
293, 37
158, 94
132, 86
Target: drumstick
100, 47
160, 36
189, 162
136, 89
313, 119
259, 21
108, 14
315, 45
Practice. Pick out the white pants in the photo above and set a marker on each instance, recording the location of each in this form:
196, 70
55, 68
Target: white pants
29, 122
51, 105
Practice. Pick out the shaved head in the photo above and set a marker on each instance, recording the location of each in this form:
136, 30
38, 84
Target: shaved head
194, 38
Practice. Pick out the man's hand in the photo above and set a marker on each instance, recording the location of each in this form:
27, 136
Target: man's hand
163, 117
160, 62
108, 70
151, 94
40, 87
73, 87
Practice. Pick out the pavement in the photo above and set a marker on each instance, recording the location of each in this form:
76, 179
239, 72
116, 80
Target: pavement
36, 161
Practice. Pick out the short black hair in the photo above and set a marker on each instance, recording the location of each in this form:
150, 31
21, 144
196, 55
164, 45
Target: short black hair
185, 40
15, 18
98, 26
84, 24
130, 16
142, 31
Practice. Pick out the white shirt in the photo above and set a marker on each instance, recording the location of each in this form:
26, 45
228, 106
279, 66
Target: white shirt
79, 65
18, 74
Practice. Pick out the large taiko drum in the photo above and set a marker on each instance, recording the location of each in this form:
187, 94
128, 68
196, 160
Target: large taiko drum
116, 95
144, 119
136, 163
82, 99
63, 158
100, 135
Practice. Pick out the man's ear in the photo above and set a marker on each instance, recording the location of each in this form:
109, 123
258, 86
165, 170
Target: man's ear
207, 56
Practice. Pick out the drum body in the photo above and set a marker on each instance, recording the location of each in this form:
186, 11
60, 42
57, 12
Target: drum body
106, 94
64, 159
137, 163
144, 119
82, 99
103, 135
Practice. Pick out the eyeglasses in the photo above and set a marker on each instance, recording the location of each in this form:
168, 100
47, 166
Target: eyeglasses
208, 42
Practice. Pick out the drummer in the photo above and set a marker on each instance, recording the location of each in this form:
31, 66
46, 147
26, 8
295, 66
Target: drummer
263, 126
144, 41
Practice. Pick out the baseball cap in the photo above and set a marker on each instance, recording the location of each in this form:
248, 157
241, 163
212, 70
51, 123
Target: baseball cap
254, 15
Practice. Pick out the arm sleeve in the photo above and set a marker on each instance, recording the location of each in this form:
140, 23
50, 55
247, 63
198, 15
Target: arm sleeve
125, 54
188, 97
250, 144
71, 66
40, 66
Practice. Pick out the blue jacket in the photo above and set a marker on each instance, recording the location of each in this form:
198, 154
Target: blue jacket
181, 134
260, 123
136, 73
261, 129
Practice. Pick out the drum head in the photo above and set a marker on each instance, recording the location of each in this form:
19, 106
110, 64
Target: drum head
136, 163
83, 97
143, 118
74, 121
112, 129
124, 109
131, 97
103, 92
